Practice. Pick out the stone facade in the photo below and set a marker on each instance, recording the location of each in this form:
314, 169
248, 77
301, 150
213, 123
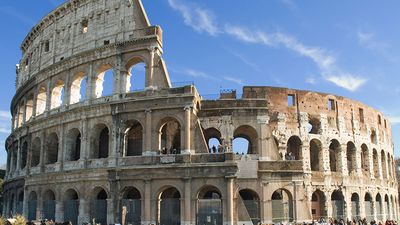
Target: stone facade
309, 156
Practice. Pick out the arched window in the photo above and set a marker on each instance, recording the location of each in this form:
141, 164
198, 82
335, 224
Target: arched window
364, 157
337, 200
170, 137
131, 199
52, 149
373, 136
245, 140
78, 88
73, 145
134, 139
383, 164
100, 142
57, 95
21, 111
334, 153
379, 207
137, 77
213, 139
376, 163
294, 145
355, 206
249, 202
104, 143
369, 210
49, 205
209, 206
169, 207
71, 206
99, 206
29, 108
104, 81
351, 157
35, 152
282, 206
41, 101
24, 154
318, 205
315, 155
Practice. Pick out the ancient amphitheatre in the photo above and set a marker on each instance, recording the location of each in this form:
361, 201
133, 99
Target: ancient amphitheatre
72, 157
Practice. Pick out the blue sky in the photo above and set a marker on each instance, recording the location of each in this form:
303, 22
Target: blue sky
348, 48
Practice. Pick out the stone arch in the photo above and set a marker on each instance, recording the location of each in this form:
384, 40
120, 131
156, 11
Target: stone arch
282, 206
169, 207
375, 162
24, 155
78, 88
365, 158
133, 139
71, 206
49, 205
248, 133
32, 206
338, 204
35, 152
52, 149
318, 207
209, 205
316, 155
137, 70
99, 205
355, 206
334, 155
29, 107
131, 199
41, 99
21, 111
368, 205
100, 141
383, 164
73, 145
213, 139
57, 94
373, 136
170, 136
351, 157
294, 148
104, 71
248, 207
379, 207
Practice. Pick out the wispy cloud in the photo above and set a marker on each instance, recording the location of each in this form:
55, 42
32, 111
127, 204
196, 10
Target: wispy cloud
347, 81
200, 19
234, 80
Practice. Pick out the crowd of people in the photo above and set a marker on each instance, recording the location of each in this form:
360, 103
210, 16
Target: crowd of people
364, 221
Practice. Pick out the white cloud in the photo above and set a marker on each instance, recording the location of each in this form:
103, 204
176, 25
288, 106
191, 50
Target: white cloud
349, 82
234, 80
200, 19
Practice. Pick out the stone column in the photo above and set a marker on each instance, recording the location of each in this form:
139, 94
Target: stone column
48, 96
358, 161
266, 205
374, 208
343, 160
150, 70
380, 171
187, 201
61, 147
85, 143
229, 200
328, 203
305, 149
110, 211
187, 125
59, 211
265, 151
42, 151
18, 156
147, 202
148, 145
90, 84
362, 205
25, 203
67, 90
84, 211
39, 208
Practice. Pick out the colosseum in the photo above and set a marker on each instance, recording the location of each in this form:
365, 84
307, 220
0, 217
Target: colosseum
166, 155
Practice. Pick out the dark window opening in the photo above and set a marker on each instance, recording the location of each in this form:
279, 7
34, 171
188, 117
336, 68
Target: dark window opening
106, 42
47, 46
361, 111
85, 24
331, 104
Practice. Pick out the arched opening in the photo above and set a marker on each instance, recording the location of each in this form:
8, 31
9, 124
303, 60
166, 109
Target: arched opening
337, 200
57, 95
49, 205
379, 207
213, 139
104, 81
383, 164
137, 77
52, 149
134, 139
355, 206
364, 158
170, 137
334, 155
29, 108
35, 152
21, 111
32, 206
169, 207
293, 150
131, 199
73, 144
100, 142
11, 205
282, 206
20, 203
376, 163
78, 88
315, 155
245, 140
248, 207
389, 165
387, 207
71, 206
351, 157
373, 136
209, 206
318, 210
314, 125
41, 99
99, 206
369, 210
24, 154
